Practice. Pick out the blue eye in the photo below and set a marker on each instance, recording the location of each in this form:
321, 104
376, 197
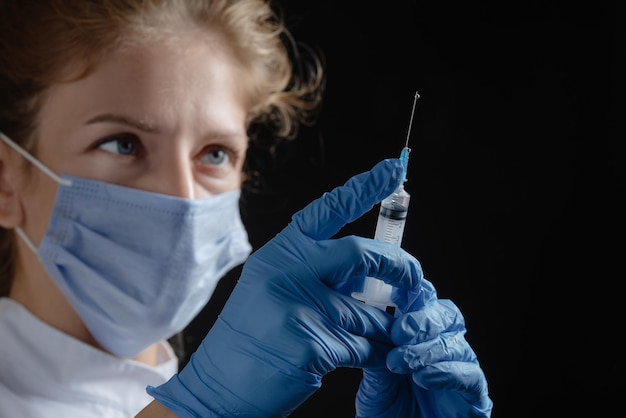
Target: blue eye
124, 144
215, 156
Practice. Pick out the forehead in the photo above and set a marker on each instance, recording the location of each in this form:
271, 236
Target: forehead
169, 81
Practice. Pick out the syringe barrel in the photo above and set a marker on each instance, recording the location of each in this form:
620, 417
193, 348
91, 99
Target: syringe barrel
389, 228
392, 217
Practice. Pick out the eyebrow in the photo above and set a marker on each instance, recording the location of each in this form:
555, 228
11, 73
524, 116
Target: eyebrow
124, 120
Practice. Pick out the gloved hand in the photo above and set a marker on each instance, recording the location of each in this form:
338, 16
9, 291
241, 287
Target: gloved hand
433, 371
284, 327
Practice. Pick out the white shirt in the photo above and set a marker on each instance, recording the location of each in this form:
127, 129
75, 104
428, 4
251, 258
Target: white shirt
46, 373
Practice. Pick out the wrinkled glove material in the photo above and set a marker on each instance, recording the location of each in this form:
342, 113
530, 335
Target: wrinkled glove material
432, 372
284, 327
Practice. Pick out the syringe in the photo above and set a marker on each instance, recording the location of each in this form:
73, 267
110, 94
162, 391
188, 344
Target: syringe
389, 228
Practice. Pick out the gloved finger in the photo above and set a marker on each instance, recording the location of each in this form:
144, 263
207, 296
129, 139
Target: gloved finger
325, 324
341, 348
436, 317
467, 378
448, 347
338, 331
356, 318
453, 399
339, 261
325, 216
318, 267
384, 394
408, 300
340, 313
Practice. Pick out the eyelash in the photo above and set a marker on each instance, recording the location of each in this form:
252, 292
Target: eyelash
212, 150
139, 149
118, 138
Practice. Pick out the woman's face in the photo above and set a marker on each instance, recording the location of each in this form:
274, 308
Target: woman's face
164, 117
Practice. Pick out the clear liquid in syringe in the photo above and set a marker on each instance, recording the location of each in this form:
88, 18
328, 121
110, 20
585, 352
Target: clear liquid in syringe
392, 217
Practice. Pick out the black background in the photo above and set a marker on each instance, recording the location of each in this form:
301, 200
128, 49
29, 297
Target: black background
516, 174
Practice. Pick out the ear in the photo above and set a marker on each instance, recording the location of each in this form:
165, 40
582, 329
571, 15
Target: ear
10, 208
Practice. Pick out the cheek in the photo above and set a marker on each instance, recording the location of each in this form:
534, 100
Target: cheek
227, 184
232, 182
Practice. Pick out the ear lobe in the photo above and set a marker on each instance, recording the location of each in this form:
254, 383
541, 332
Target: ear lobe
10, 208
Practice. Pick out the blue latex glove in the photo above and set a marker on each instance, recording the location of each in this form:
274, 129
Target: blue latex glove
284, 327
433, 371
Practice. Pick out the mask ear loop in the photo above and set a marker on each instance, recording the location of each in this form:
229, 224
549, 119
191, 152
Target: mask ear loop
35, 162
46, 170
26, 240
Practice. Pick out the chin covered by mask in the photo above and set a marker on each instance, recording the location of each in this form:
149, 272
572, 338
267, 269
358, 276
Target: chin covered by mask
137, 266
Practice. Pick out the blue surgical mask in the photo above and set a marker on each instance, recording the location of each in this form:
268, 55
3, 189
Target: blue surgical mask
136, 266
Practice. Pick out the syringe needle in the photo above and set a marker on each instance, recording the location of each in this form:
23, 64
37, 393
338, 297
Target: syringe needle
417, 96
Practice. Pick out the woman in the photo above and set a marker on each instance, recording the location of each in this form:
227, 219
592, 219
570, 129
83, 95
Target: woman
124, 133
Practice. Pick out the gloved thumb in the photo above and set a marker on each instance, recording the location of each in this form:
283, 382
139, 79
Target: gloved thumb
325, 216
